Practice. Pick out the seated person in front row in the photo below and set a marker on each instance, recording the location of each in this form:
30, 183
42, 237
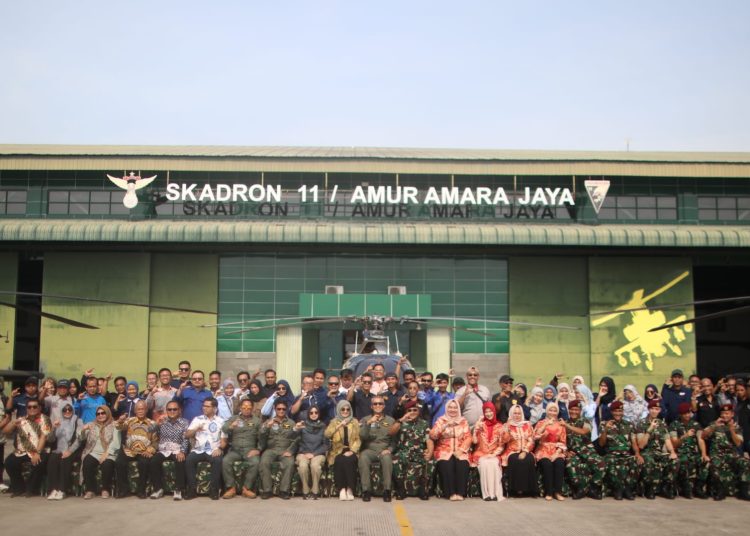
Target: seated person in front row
243, 431
210, 441
278, 441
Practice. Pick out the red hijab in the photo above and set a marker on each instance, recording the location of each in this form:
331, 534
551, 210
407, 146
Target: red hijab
489, 424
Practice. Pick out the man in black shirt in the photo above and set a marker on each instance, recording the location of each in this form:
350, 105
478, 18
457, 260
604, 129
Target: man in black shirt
360, 397
706, 406
505, 399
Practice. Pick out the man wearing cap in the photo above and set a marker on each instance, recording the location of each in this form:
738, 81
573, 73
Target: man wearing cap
730, 472
472, 396
584, 466
673, 393
687, 439
618, 437
18, 400
54, 404
659, 468
506, 398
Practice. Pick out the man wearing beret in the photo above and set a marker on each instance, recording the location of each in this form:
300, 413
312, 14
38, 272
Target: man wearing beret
730, 472
584, 466
687, 438
618, 438
659, 468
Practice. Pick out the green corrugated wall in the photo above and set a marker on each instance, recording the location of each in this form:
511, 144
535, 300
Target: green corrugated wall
8, 281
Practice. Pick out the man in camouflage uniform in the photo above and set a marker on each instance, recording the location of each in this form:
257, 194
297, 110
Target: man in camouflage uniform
584, 466
658, 469
412, 461
687, 439
728, 467
244, 432
377, 444
278, 441
619, 440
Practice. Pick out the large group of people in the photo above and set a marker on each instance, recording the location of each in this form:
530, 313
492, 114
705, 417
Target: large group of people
416, 431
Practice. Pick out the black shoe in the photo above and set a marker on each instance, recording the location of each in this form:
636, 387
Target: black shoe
701, 494
617, 494
628, 494
315, 496
720, 495
688, 494
189, 496
668, 494
366, 496
284, 495
424, 495
649, 494
214, 495
400, 495
488, 499
596, 494
580, 494
15, 494
265, 495
744, 493
387, 495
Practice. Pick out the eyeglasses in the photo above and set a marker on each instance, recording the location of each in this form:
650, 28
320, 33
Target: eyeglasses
366, 382
198, 379
101, 413
345, 409
184, 369
35, 406
378, 404
65, 410
333, 383
472, 375
172, 409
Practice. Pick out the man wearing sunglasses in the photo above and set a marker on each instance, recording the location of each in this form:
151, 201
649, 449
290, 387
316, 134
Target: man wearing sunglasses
279, 441
378, 442
173, 445
30, 446
182, 375
192, 394
472, 396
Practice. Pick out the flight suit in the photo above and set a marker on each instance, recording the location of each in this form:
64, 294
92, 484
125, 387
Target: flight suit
243, 438
585, 467
692, 472
375, 440
659, 470
274, 441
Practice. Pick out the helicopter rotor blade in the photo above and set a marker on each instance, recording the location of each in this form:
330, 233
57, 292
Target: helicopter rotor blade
113, 302
506, 322
58, 318
670, 305
719, 314
452, 328
308, 323
252, 321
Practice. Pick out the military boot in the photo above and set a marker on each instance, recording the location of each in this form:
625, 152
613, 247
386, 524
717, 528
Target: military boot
744, 492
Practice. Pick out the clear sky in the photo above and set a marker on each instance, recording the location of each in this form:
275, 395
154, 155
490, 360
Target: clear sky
666, 75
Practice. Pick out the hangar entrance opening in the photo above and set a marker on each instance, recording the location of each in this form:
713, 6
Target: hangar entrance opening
722, 344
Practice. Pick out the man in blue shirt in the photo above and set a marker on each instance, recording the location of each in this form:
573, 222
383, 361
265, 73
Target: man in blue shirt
192, 394
674, 393
440, 398
86, 406
17, 401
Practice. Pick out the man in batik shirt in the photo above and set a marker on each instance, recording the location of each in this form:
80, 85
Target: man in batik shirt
139, 444
31, 441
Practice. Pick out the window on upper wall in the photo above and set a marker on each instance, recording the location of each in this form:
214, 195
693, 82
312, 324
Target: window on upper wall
12, 202
639, 207
85, 202
723, 208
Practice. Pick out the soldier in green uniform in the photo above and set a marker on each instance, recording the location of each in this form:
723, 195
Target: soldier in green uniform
412, 461
728, 467
278, 441
658, 469
687, 439
377, 444
244, 432
584, 466
618, 438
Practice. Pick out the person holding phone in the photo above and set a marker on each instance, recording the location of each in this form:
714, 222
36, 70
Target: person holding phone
659, 457
623, 456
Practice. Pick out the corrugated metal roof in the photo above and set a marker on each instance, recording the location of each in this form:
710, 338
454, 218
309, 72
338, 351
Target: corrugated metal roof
388, 153
320, 232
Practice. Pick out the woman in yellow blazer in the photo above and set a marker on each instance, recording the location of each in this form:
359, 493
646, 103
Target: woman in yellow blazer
343, 431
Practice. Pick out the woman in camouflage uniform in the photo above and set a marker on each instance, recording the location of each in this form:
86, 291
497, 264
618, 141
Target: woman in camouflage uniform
412, 461
658, 468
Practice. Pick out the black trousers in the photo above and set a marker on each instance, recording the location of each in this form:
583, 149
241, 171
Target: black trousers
59, 472
454, 474
14, 466
156, 471
345, 471
123, 482
90, 465
191, 468
553, 474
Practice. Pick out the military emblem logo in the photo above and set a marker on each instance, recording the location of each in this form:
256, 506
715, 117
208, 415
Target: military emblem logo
597, 191
131, 183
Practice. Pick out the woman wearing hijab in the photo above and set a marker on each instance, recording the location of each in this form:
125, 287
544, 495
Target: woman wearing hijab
588, 408
66, 434
521, 392
256, 396
535, 403
564, 396
101, 443
636, 409
125, 404
343, 433
452, 439
551, 436
550, 393
228, 403
489, 441
577, 380
311, 453
283, 392
604, 398
517, 458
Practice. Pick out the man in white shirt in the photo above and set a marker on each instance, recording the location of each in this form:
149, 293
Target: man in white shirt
378, 379
209, 444
472, 396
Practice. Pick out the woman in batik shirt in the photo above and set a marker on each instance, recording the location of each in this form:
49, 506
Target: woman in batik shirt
452, 443
490, 443
101, 441
550, 434
517, 457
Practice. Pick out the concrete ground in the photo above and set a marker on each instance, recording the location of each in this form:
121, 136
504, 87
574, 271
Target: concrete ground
400, 518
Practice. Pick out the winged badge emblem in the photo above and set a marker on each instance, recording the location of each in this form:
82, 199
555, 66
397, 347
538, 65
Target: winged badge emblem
131, 183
